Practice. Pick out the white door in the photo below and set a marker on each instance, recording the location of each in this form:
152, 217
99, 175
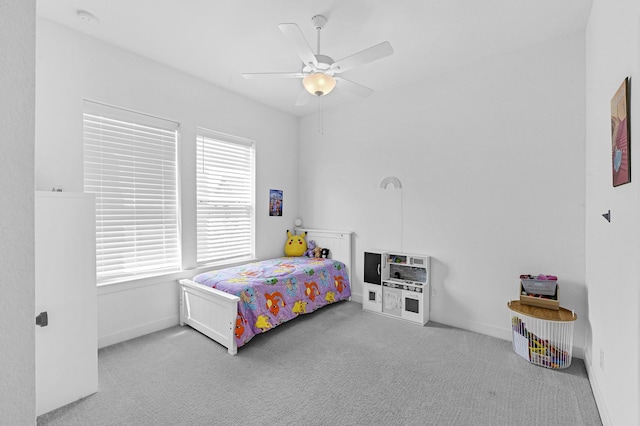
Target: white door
67, 348
412, 306
392, 301
372, 298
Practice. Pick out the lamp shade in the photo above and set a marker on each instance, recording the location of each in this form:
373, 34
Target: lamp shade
319, 84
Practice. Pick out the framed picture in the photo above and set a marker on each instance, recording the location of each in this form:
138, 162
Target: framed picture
620, 135
275, 202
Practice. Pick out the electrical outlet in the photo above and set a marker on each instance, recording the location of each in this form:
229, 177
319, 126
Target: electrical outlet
602, 359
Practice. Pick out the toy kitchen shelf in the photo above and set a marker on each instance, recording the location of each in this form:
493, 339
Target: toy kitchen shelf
397, 285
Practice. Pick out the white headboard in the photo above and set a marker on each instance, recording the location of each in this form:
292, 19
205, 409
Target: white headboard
338, 243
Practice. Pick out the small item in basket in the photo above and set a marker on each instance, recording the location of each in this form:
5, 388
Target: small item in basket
544, 277
539, 287
541, 290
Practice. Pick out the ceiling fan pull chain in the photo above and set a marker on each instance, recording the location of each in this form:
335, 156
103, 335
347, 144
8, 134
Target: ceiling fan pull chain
320, 116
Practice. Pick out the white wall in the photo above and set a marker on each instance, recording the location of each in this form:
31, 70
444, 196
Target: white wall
17, 116
72, 67
492, 162
612, 249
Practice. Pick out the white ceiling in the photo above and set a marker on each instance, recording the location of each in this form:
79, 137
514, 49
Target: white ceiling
218, 40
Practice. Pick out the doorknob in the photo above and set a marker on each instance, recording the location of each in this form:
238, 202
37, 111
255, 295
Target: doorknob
42, 319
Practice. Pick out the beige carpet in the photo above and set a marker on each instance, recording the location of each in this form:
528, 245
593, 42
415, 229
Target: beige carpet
337, 366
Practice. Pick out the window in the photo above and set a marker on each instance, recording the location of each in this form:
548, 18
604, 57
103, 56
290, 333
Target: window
130, 164
225, 192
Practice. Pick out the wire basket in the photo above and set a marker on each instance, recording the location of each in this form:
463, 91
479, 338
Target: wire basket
542, 342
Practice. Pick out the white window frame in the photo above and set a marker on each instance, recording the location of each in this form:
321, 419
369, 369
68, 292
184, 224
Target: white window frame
131, 164
225, 186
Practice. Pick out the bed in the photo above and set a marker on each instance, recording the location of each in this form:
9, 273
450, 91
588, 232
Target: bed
234, 304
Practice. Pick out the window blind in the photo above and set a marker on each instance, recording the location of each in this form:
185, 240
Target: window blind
130, 164
225, 192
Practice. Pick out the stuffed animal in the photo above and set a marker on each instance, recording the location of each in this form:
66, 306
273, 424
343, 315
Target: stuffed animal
317, 252
325, 253
295, 245
311, 246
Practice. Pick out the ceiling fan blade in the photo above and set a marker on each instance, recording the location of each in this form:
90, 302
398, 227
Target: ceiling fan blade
365, 56
249, 76
303, 98
352, 87
294, 35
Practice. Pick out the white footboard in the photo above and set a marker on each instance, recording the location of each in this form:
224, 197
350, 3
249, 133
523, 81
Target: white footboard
210, 311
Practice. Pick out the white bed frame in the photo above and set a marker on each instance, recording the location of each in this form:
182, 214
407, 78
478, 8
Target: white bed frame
213, 312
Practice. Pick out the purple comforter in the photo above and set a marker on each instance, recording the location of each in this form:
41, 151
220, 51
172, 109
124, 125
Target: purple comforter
276, 290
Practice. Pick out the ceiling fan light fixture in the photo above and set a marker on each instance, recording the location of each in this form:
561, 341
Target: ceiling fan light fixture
319, 84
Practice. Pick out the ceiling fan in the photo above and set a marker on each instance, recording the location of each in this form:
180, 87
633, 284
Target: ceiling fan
320, 74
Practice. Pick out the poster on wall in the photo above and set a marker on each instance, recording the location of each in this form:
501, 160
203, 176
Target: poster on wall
275, 202
620, 136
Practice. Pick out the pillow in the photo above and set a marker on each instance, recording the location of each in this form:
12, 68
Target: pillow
296, 245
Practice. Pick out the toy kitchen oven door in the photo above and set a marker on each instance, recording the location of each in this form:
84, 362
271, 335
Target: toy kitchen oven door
405, 294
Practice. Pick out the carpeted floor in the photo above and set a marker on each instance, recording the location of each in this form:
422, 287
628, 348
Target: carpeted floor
337, 366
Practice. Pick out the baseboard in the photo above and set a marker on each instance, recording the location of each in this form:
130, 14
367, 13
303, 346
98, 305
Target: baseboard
488, 330
597, 394
138, 331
